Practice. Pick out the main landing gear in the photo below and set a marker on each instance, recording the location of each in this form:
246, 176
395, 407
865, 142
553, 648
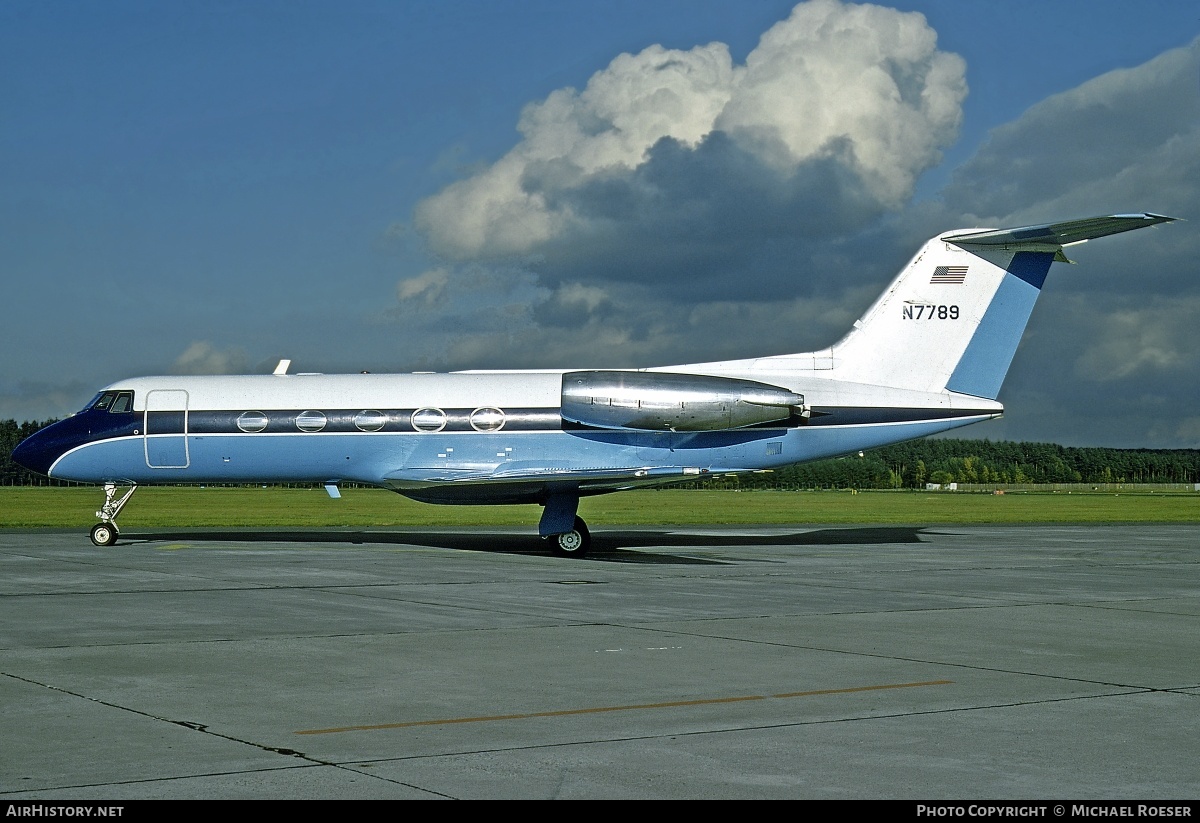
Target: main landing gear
105, 532
566, 531
574, 543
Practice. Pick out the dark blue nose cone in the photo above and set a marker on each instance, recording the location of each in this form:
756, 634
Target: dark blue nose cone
38, 451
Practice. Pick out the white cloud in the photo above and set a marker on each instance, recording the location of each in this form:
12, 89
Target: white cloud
202, 357
866, 75
1151, 335
862, 88
1126, 140
427, 288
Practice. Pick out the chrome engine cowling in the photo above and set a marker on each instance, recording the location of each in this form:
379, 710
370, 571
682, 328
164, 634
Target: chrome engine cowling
666, 401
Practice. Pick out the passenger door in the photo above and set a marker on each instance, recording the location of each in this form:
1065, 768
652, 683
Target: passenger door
165, 429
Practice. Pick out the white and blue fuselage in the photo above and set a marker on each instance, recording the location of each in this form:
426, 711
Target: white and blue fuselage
456, 438
930, 355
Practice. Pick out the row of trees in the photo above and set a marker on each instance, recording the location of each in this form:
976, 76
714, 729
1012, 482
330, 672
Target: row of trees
12, 433
905, 465
916, 463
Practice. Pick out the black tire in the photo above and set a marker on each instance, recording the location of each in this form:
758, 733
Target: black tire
104, 534
574, 543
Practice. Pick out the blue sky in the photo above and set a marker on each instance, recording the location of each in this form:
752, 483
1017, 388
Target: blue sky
207, 187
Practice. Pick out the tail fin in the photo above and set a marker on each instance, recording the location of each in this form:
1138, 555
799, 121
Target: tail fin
953, 317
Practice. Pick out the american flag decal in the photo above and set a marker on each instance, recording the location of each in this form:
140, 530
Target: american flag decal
949, 274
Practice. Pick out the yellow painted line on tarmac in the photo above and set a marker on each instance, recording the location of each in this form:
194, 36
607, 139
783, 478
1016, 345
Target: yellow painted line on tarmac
637, 707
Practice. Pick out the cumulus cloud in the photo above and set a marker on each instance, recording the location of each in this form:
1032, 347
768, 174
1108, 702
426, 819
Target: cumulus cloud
867, 78
677, 185
831, 119
427, 288
1123, 139
202, 357
682, 207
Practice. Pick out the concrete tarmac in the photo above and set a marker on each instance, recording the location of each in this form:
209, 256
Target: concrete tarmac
936, 663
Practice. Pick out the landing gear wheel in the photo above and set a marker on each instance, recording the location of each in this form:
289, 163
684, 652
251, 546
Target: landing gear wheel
574, 543
104, 534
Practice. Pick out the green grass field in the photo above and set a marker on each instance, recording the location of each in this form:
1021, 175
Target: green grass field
188, 507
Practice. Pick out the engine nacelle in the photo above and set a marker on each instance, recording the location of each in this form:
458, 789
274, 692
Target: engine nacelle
665, 401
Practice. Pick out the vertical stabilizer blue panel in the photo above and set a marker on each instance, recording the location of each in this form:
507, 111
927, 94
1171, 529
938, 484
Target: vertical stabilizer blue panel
984, 364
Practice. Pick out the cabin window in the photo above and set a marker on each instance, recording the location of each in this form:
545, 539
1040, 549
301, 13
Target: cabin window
310, 421
429, 420
252, 421
370, 420
487, 419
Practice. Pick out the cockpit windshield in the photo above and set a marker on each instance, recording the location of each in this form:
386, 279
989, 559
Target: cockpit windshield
90, 403
115, 402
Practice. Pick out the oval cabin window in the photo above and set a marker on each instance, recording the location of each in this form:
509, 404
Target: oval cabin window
370, 420
487, 419
252, 421
429, 420
310, 421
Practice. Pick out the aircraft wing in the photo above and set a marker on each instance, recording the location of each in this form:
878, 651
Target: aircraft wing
1053, 236
460, 479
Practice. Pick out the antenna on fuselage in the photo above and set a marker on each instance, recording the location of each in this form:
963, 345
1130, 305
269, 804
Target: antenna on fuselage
283, 366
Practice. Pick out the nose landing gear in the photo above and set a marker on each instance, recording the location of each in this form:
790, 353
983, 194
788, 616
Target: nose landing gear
105, 532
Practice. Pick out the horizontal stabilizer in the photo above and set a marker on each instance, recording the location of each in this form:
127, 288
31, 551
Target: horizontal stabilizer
1053, 236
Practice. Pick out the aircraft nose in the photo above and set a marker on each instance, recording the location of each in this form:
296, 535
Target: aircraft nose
33, 454
39, 451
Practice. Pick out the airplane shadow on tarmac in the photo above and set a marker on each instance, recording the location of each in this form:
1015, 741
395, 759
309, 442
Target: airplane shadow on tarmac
609, 546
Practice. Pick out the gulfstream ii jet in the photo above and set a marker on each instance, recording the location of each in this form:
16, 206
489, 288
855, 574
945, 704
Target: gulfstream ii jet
928, 356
